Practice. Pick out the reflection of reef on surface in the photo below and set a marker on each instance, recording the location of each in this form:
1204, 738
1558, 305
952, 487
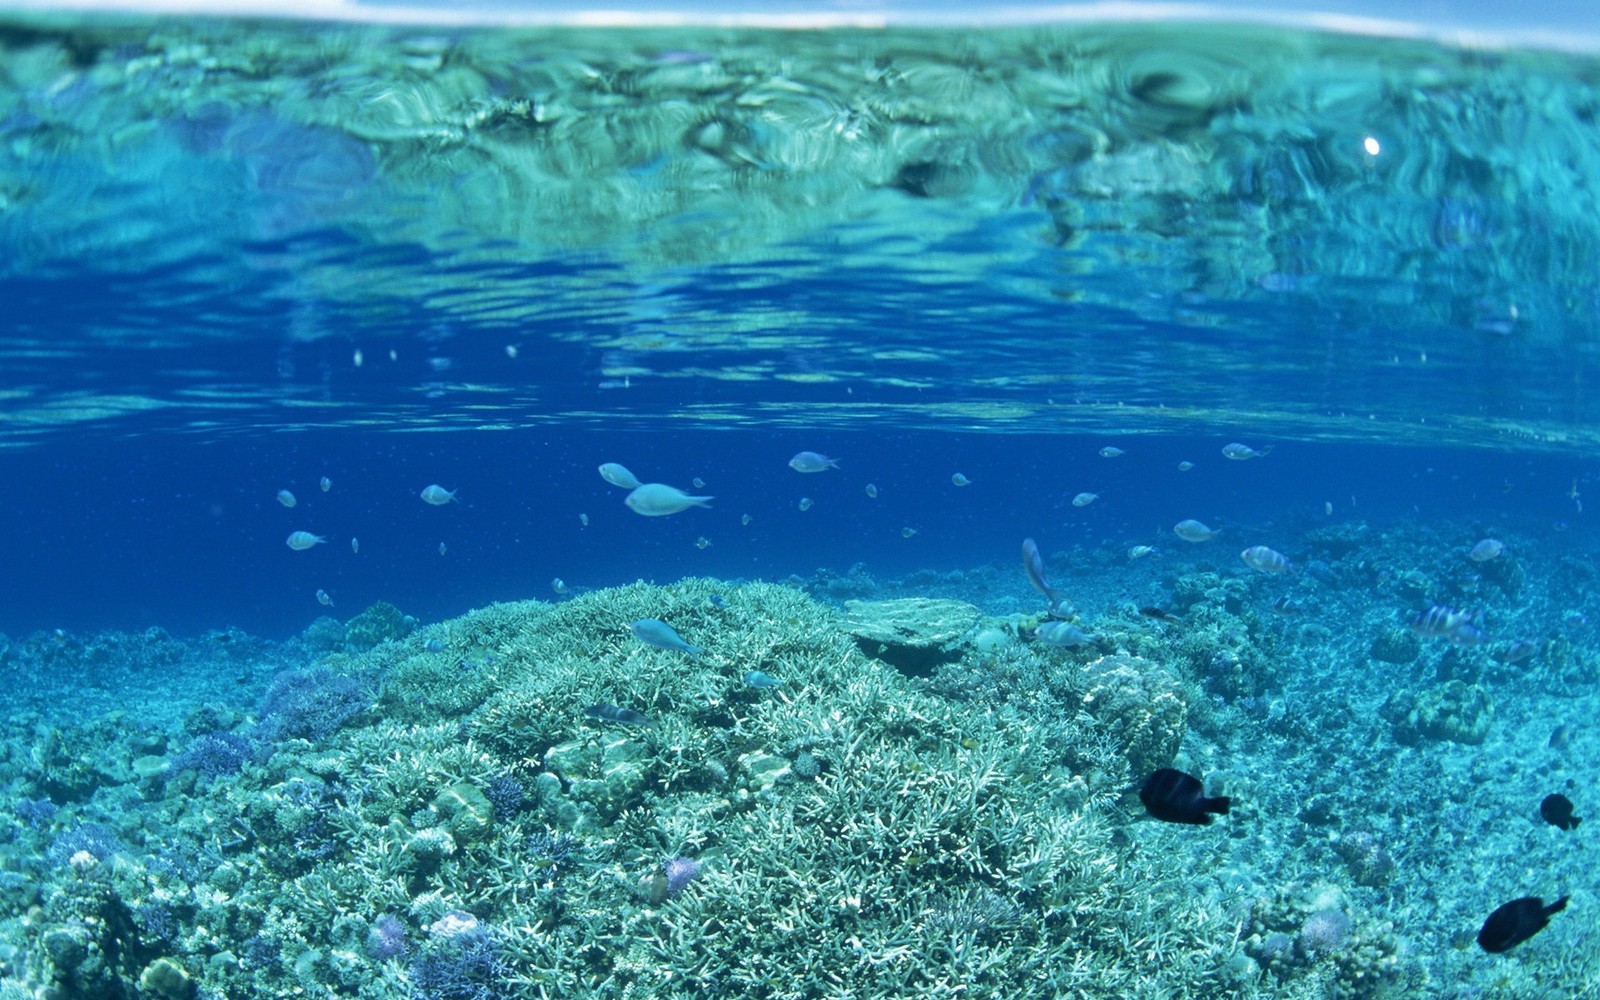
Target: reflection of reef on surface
1047, 186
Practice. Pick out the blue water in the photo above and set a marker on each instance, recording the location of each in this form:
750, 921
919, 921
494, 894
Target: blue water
189, 535
988, 270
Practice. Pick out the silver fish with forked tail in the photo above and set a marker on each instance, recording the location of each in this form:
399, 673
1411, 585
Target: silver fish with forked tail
657, 633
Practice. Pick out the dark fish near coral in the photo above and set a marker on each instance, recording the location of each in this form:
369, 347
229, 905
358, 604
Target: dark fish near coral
1160, 615
1285, 605
1557, 811
1516, 922
1561, 736
1175, 797
611, 713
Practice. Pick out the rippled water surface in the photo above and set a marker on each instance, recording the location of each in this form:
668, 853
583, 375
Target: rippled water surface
222, 228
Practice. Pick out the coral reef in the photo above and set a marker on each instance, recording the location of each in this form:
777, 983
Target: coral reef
1142, 703
912, 634
397, 834
1317, 935
1454, 710
442, 812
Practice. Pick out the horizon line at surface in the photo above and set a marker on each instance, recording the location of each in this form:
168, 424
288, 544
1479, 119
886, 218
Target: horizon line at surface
1542, 25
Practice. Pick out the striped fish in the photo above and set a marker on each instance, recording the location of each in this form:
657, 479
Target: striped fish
611, 713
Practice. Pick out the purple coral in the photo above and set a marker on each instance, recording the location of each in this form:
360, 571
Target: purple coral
679, 871
462, 967
37, 813
506, 794
94, 839
213, 755
386, 938
311, 705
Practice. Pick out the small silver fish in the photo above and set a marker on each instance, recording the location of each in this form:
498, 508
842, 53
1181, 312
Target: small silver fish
612, 713
286, 498
1487, 549
434, 646
1191, 530
1243, 452
1140, 551
1440, 622
302, 540
810, 461
618, 475
1064, 634
1517, 652
326, 484
657, 633
1265, 560
323, 599
659, 500
558, 585
872, 492
805, 503
355, 545
1084, 499
1111, 452
960, 480
761, 679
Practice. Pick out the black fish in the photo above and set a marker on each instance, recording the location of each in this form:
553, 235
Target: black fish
1557, 811
1516, 922
1180, 798
611, 713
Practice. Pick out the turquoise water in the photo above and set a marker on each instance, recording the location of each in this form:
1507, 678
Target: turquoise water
404, 288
